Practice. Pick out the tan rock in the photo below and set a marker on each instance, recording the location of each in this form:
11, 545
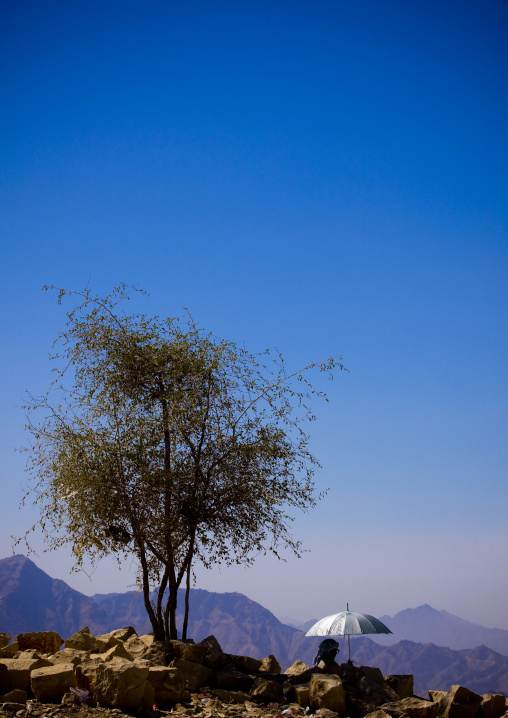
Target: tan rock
214, 656
42, 641
9, 650
135, 647
266, 691
52, 682
113, 638
401, 684
327, 691
69, 655
436, 696
148, 639
412, 707
117, 651
246, 664
4, 639
302, 694
15, 696
297, 668
192, 652
83, 640
18, 671
270, 665
193, 674
167, 685
493, 705
12, 708
459, 702
120, 684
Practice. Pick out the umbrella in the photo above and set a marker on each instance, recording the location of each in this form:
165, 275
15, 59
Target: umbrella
347, 624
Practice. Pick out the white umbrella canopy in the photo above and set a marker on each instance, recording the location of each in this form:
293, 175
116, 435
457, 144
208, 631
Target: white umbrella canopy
347, 623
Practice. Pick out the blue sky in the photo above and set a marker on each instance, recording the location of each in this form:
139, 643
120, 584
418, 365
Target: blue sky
326, 178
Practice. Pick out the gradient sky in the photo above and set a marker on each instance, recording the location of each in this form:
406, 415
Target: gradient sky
326, 178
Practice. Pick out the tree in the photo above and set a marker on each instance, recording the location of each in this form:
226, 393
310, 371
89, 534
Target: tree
160, 441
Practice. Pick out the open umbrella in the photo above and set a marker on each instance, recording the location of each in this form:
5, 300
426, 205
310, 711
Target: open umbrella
347, 624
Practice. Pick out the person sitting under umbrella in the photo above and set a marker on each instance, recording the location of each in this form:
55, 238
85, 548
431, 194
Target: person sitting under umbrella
325, 657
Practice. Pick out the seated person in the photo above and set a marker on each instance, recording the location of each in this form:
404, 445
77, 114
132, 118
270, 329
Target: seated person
325, 658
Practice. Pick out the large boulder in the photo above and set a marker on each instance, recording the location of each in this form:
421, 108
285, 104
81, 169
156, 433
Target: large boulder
412, 708
297, 668
136, 648
69, 655
4, 639
214, 656
120, 684
42, 641
401, 684
327, 691
266, 691
82, 640
15, 696
493, 705
19, 670
195, 653
194, 675
113, 638
167, 686
270, 665
232, 680
53, 682
302, 694
459, 702
116, 651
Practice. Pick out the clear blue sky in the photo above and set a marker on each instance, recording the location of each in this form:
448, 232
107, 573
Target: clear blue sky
325, 177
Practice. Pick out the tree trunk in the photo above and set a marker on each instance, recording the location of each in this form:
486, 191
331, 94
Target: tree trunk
187, 592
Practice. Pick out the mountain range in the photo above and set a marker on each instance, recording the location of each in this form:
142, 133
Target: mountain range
30, 600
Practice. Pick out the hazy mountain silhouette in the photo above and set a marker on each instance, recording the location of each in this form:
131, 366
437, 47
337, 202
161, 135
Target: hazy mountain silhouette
425, 624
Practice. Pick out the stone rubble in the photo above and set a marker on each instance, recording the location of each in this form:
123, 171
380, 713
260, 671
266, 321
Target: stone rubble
122, 674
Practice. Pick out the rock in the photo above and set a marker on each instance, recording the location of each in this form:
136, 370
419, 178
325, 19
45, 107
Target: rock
113, 638
379, 713
4, 679
327, 713
302, 694
412, 707
83, 640
42, 641
53, 682
15, 696
436, 696
135, 647
236, 697
266, 691
192, 652
69, 699
327, 691
147, 638
117, 651
246, 664
232, 680
297, 668
493, 705
120, 684
69, 655
4, 639
401, 684
193, 674
167, 685
459, 702
214, 656
9, 650
270, 665
18, 671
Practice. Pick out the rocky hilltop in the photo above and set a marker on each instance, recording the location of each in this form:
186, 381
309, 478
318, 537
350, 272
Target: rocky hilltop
124, 672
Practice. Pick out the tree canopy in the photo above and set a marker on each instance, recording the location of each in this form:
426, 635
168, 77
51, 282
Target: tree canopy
160, 441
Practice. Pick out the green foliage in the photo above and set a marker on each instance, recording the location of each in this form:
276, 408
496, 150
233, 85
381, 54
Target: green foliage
161, 441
